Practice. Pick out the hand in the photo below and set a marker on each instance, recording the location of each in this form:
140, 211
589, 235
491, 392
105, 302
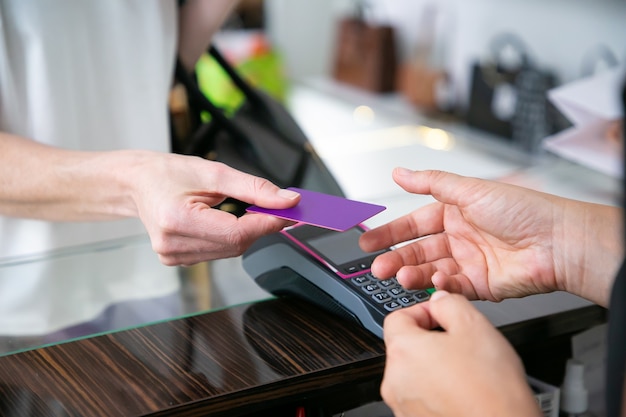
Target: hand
173, 195
483, 239
490, 241
174, 199
469, 369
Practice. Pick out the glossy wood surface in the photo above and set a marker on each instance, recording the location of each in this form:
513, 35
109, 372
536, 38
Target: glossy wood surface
241, 361
229, 362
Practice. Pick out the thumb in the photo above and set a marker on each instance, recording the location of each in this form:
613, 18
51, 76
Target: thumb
256, 190
444, 186
454, 312
277, 197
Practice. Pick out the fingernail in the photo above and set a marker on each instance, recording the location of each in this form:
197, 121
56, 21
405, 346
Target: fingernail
438, 294
403, 171
288, 194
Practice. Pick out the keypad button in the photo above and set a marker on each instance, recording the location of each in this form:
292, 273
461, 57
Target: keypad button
370, 288
381, 297
361, 280
351, 269
392, 305
421, 296
406, 300
396, 291
387, 283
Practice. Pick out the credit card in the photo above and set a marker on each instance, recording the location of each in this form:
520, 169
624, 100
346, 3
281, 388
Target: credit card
324, 210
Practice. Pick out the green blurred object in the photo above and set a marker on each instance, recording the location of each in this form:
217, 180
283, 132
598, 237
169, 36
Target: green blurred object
264, 70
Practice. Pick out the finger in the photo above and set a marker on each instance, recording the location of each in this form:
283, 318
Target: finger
432, 253
449, 189
252, 189
444, 186
180, 250
204, 222
425, 250
415, 277
424, 221
459, 284
398, 323
456, 313
209, 234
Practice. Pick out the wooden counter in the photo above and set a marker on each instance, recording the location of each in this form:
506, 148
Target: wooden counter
249, 360
275, 354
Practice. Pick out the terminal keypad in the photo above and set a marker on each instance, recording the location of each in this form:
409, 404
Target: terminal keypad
388, 294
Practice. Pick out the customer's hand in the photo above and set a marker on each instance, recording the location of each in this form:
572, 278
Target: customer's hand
469, 369
172, 194
174, 200
489, 240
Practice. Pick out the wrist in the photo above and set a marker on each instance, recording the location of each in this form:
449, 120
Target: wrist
592, 250
113, 182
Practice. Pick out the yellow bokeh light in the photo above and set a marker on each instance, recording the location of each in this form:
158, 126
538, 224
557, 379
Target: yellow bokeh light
437, 139
364, 115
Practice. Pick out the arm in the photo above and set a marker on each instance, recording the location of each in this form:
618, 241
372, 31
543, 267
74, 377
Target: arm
173, 195
43, 182
198, 22
491, 241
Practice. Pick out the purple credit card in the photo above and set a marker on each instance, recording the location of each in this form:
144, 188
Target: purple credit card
324, 210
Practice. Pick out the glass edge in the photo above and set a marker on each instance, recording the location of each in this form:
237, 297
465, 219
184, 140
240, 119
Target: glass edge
139, 326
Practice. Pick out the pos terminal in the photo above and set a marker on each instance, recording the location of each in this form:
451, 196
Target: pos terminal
328, 268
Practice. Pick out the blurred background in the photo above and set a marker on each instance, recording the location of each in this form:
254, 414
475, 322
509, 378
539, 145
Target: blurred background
485, 63
559, 34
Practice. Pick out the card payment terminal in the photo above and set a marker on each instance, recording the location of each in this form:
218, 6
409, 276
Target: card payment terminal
327, 268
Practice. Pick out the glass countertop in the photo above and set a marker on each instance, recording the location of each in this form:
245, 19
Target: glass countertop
114, 285
108, 286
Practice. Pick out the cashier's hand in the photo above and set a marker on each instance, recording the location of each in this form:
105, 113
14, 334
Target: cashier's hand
469, 369
483, 239
174, 197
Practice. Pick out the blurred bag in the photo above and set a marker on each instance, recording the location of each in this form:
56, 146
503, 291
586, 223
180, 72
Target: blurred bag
511, 101
260, 138
422, 78
365, 54
421, 84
